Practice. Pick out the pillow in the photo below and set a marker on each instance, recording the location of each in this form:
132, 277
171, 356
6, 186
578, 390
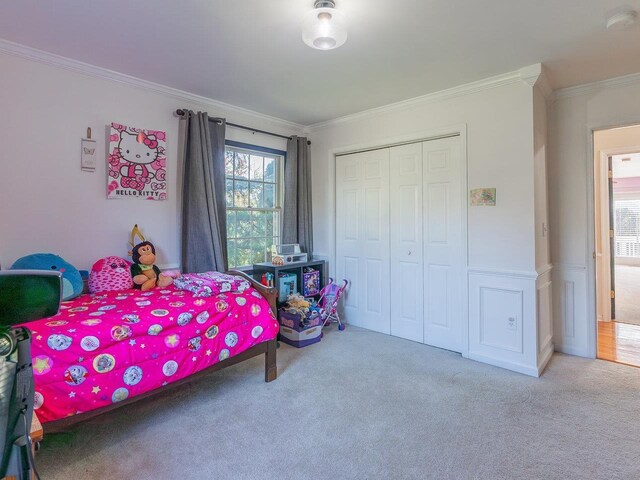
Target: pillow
71, 280
210, 283
110, 274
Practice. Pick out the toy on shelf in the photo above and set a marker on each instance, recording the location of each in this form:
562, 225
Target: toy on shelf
287, 285
267, 280
329, 301
310, 282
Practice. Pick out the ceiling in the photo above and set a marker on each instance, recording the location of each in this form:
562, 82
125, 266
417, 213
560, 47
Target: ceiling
250, 53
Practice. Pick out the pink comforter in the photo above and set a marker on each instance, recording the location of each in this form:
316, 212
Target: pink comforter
105, 348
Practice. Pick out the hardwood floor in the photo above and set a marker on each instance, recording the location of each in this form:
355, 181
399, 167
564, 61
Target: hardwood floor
619, 342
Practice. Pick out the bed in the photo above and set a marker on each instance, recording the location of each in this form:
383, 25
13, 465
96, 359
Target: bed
104, 351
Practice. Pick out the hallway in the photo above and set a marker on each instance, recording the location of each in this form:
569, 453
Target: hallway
628, 294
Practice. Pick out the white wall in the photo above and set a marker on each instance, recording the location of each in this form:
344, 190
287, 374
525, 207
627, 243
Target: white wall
502, 280
575, 113
500, 147
47, 204
540, 179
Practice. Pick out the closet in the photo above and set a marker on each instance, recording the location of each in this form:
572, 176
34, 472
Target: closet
400, 240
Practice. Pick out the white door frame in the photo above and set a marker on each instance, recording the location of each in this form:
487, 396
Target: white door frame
386, 142
602, 290
590, 261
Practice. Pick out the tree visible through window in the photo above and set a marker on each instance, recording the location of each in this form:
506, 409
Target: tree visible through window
253, 204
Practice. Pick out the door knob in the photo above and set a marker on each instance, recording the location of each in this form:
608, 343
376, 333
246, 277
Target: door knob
409, 253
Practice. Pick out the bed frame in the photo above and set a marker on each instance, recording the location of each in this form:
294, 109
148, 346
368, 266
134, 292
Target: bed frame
270, 367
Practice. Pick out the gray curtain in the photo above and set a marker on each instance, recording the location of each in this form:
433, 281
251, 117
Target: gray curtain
297, 221
204, 222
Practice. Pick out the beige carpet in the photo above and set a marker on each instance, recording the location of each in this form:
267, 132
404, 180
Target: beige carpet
628, 294
362, 405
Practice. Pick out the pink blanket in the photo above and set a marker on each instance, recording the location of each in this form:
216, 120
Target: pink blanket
105, 348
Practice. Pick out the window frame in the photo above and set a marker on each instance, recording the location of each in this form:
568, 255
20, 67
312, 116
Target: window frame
624, 197
281, 157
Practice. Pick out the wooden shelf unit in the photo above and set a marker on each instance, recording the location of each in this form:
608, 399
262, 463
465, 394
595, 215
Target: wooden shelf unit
296, 268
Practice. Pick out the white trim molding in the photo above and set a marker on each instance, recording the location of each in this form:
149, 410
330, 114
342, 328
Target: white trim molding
593, 87
536, 77
532, 275
40, 56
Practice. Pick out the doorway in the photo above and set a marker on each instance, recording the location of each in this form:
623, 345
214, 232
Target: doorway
617, 253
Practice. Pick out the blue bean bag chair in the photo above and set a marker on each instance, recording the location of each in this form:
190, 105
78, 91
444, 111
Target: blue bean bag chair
71, 280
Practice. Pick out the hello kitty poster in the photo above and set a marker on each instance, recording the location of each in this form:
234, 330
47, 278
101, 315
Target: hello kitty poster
137, 163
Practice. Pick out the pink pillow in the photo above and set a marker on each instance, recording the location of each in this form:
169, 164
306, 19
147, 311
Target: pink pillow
110, 274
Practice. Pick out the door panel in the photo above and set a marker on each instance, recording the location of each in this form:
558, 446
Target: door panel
362, 237
438, 300
406, 242
399, 228
444, 255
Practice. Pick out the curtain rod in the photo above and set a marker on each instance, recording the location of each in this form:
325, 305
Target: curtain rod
182, 113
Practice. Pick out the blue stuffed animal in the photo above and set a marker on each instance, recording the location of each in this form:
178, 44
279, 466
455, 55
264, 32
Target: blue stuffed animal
71, 280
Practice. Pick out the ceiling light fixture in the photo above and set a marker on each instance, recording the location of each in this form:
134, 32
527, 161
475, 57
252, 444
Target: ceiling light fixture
622, 20
324, 27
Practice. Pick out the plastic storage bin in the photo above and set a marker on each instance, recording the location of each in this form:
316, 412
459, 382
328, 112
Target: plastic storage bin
293, 331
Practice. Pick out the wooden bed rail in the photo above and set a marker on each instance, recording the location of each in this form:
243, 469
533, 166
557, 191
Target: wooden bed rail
270, 374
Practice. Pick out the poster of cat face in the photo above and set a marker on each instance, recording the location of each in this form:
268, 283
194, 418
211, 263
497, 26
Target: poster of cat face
137, 163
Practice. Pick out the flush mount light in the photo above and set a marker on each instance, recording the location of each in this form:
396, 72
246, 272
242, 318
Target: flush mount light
622, 20
324, 27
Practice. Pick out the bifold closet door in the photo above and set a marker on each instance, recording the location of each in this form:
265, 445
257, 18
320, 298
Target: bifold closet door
444, 254
406, 242
362, 237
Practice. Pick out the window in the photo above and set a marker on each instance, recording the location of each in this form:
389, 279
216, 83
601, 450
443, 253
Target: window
253, 193
627, 228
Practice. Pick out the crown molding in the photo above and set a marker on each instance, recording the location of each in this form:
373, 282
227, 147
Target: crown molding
461, 90
594, 87
536, 77
531, 74
51, 59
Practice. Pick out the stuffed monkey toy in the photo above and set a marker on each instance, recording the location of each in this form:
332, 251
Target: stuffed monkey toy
143, 271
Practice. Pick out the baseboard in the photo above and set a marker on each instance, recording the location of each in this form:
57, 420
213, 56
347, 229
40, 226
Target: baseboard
570, 350
514, 367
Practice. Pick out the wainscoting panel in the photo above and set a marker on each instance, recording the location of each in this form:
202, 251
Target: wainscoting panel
496, 305
572, 327
502, 320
